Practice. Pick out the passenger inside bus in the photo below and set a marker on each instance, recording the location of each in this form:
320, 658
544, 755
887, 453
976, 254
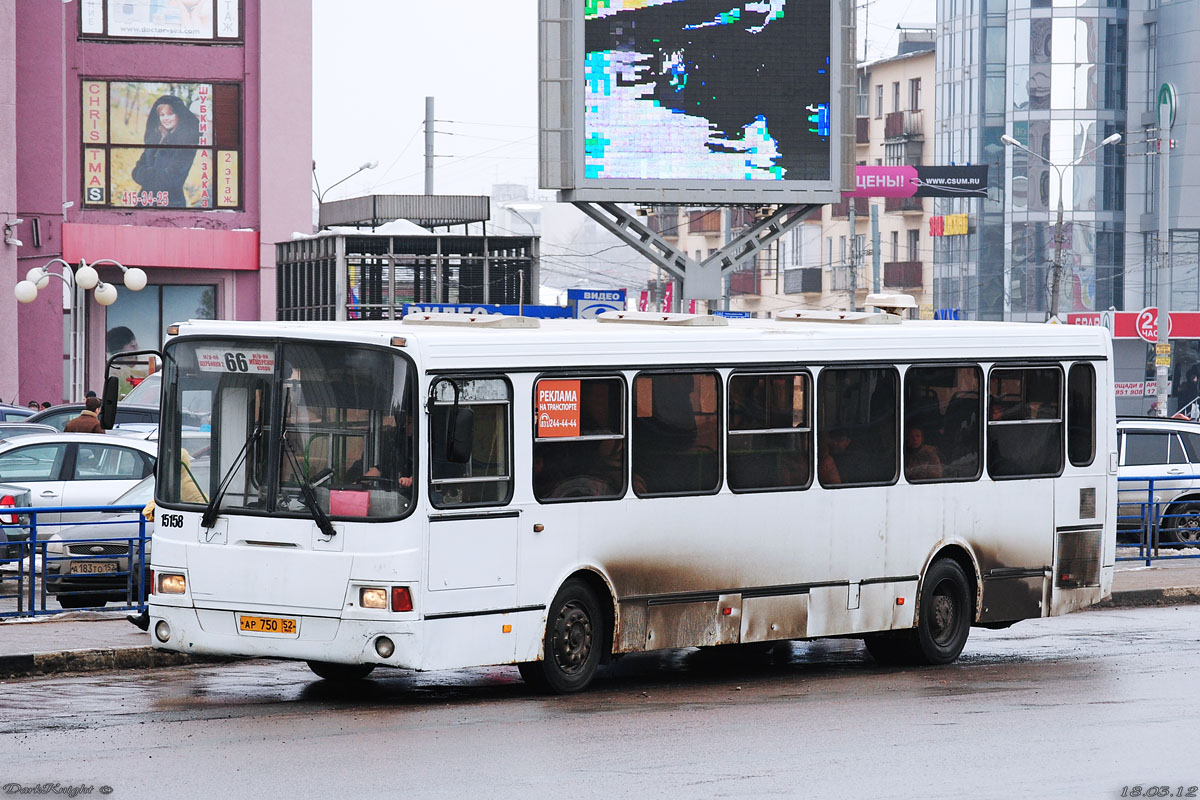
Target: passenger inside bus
834, 456
921, 461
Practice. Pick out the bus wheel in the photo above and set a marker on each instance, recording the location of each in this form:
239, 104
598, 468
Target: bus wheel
340, 673
945, 613
574, 636
1185, 524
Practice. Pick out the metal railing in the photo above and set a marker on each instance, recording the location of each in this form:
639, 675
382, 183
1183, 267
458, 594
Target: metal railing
1143, 523
32, 559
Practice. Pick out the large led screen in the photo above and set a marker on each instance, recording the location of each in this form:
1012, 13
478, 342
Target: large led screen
692, 97
161, 144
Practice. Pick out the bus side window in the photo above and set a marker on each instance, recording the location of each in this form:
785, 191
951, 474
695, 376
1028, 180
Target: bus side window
487, 478
676, 437
770, 434
857, 413
1025, 439
579, 439
943, 424
1081, 414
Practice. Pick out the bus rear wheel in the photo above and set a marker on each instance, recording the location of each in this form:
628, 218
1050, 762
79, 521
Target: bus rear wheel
944, 617
571, 648
340, 673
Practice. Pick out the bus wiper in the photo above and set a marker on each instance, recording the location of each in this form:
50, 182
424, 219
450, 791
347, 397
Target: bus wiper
308, 492
212, 510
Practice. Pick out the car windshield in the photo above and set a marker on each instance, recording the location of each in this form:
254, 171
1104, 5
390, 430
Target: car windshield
140, 493
284, 414
146, 392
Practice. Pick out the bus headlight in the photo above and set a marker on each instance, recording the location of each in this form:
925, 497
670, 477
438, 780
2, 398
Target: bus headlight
373, 598
171, 583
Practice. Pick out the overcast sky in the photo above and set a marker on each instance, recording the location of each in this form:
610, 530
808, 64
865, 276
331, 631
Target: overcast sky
375, 61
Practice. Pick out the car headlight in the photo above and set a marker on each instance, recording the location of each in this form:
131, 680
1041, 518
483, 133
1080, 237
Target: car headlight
55, 546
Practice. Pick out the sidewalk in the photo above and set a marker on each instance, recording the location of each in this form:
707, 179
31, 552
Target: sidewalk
80, 641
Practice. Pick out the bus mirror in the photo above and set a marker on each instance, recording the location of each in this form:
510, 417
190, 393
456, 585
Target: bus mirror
108, 404
460, 436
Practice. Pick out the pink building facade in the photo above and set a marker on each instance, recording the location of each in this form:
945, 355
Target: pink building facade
170, 135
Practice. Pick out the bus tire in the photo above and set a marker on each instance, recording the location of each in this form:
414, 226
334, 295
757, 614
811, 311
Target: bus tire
571, 647
340, 673
944, 618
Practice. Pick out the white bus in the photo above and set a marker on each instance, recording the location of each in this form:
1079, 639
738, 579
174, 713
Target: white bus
450, 490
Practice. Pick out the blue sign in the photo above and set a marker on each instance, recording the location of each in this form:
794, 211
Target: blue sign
948, 313
590, 303
512, 310
732, 314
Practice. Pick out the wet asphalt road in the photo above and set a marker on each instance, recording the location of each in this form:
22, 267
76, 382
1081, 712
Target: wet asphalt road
1072, 707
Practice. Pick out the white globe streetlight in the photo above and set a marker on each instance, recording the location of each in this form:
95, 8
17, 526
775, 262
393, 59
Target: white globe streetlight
135, 279
105, 294
26, 291
86, 277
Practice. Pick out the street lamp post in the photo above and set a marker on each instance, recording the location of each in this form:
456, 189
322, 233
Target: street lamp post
320, 195
1060, 169
79, 280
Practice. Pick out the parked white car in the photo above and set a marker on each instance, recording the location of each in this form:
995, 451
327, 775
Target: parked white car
1169, 451
74, 469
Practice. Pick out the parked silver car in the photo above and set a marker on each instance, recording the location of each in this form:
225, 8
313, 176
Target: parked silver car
88, 565
1167, 450
74, 469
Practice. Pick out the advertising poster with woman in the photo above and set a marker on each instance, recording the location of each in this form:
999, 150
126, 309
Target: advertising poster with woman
173, 121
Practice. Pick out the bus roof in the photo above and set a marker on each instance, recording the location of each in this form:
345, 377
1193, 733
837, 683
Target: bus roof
576, 343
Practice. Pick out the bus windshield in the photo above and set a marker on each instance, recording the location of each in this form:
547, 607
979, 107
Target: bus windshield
338, 418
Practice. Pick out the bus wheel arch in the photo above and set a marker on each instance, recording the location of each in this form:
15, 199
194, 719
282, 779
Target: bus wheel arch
945, 609
578, 636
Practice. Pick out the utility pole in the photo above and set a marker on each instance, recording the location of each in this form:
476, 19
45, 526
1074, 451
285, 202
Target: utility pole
1162, 348
853, 261
428, 145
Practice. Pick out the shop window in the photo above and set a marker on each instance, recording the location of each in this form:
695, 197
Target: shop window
138, 320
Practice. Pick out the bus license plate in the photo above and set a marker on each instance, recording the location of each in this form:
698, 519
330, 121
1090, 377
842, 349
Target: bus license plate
93, 567
267, 625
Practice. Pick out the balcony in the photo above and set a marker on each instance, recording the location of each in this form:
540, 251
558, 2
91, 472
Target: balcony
904, 125
906, 274
904, 204
861, 207
744, 282
804, 279
862, 130
705, 221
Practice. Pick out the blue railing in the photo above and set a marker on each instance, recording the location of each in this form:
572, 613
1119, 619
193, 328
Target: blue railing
32, 560
1165, 529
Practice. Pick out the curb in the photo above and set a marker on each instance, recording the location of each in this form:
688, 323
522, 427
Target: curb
1172, 596
94, 660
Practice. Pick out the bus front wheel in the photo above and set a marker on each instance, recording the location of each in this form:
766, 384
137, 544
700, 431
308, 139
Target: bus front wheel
944, 617
340, 673
571, 648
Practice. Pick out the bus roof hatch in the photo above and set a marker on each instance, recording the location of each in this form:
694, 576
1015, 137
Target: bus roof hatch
847, 317
659, 318
470, 320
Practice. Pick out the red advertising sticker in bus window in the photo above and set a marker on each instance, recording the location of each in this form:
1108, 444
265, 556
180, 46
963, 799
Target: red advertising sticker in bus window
557, 408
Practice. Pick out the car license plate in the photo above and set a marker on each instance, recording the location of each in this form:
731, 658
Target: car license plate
267, 625
93, 567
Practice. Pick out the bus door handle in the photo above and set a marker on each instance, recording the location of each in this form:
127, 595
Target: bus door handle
1175, 471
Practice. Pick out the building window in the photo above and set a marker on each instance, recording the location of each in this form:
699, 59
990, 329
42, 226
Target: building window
161, 144
138, 320
914, 245
895, 245
879, 101
895, 95
914, 94
204, 21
